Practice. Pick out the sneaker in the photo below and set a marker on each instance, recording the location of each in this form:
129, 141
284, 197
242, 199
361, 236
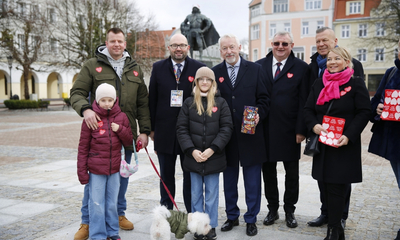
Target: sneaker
82, 233
125, 224
198, 237
116, 237
211, 235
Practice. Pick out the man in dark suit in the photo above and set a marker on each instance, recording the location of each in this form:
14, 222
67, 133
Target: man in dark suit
284, 126
170, 84
242, 83
326, 40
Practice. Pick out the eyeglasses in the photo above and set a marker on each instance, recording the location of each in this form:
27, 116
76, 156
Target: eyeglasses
231, 47
284, 44
204, 79
181, 46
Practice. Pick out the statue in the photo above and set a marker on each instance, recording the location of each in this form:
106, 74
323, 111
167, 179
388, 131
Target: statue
199, 31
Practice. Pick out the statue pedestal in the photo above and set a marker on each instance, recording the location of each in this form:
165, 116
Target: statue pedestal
207, 63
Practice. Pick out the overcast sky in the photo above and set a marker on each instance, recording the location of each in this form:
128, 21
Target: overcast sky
228, 16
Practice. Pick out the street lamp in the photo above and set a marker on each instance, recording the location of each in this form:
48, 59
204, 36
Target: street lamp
10, 61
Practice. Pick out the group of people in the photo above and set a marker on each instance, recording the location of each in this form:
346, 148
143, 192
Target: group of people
196, 113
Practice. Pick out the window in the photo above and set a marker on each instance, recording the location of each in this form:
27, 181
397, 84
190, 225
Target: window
21, 41
116, 4
313, 4
255, 55
355, 7
320, 24
36, 40
313, 50
298, 52
396, 53
287, 27
21, 8
362, 30
51, 15
280, 6
345, 31
272, 30
379, 55
3, 7
255, 11
35, 11
82, 21
380, 29
255, 32
304, 28
362, 55
53, 45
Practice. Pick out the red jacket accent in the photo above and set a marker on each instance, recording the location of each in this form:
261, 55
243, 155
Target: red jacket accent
99, 150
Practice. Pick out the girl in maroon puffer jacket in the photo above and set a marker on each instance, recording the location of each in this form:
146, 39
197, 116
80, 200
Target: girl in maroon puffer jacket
99, 159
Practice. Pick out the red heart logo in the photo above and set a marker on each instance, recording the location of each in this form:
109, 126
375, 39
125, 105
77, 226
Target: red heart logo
102, 131
342, 93
221, 79
100, 123
348, 89
190, 78
290, 75
135, 73
99, 69
214, 109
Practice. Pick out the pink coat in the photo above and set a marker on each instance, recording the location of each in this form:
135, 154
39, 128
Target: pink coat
99, 150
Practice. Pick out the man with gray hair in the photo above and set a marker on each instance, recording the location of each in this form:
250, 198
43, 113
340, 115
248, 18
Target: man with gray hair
284, 127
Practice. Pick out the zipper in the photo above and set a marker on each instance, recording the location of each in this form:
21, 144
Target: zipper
109, 135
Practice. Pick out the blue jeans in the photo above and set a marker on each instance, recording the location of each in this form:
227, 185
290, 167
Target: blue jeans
121, 194
396, 169
211, 190
103, 215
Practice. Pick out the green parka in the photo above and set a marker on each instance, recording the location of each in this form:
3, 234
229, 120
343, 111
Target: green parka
131, 90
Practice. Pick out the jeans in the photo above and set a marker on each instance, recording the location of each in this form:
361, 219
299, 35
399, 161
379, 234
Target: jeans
208, 202
396, 169
103, 215
121, 194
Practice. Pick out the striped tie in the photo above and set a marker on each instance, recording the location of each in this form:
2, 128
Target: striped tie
233, 75
178, 70
278, 69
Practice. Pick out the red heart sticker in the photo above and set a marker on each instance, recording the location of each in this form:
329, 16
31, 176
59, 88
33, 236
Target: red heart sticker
190, 78
99, 69
214, 109
348, 89
342, 93
135, 73
102, 131
221, 79
100, 123
290, 75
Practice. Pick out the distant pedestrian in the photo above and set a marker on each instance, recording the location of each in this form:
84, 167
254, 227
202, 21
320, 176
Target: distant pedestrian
99, 159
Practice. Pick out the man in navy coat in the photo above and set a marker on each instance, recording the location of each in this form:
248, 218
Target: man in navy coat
242, 83
170, 84
284, 126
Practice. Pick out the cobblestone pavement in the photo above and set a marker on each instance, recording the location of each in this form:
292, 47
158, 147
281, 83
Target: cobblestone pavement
40, 195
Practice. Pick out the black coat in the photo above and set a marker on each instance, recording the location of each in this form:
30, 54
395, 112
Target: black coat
343, 164
164, 117
200, 132
385, 138
249, 90
288, 96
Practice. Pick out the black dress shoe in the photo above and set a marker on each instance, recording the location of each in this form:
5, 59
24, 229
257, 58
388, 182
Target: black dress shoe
291, 220
251, 229
229, 224
270, 218
319, 221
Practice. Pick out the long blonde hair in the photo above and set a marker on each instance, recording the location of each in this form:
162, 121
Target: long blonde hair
210, 98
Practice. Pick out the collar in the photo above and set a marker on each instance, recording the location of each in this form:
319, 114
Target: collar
237, 64
274, 61
174, 63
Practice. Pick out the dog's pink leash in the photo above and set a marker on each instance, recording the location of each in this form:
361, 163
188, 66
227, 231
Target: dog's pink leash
165, 186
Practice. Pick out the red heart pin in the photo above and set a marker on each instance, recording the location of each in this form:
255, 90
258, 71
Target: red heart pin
102, 131
135, 73
190, 78
100, 123
221, 79
99, 69
290, 75
348, 89
214, 109
342, 93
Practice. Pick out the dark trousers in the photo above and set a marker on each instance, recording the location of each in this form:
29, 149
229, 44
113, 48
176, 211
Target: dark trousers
167, 172
324, 206
291, 195
252, 187
336, 201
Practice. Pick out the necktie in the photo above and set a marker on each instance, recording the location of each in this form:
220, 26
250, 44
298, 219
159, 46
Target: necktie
233, 75
278, 69
178, 70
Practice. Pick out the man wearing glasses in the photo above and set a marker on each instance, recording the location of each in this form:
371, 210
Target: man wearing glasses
242, 83
284, 126
170, 84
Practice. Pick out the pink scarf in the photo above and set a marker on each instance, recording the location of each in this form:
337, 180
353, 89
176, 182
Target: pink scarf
332, 81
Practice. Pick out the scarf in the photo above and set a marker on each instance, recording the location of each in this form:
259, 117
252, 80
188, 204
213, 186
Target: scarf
332, 81
321, 61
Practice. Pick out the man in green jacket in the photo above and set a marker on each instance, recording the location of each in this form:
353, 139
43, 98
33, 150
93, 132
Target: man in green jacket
112, 65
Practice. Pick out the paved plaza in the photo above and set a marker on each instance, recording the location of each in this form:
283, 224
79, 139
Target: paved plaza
40, 195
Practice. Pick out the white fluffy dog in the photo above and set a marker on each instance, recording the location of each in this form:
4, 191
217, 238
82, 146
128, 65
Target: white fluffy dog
166, 221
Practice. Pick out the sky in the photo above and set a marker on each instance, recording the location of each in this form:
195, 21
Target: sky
228, 16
